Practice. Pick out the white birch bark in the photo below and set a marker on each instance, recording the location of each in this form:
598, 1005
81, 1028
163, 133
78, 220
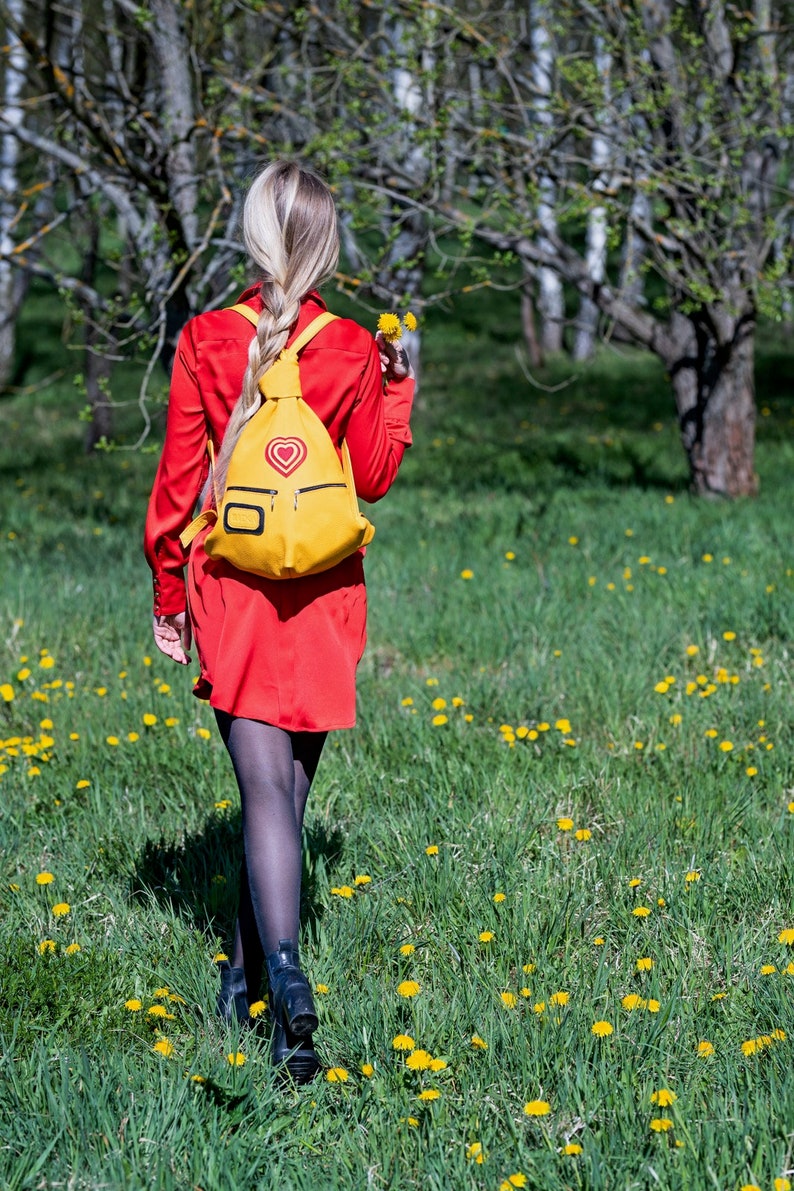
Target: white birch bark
596, 247
172, 51
550, 295
13, 115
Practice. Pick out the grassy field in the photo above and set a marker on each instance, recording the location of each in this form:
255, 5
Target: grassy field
548, 898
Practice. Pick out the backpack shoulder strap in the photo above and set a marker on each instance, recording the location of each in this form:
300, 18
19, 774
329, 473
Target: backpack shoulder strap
306, 334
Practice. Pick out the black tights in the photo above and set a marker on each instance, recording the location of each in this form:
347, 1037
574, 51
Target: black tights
274, 770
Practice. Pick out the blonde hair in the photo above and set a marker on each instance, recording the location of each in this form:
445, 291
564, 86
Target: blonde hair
291, 235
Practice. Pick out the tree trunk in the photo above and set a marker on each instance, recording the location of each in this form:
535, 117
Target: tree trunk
9, 191
551, 305
596, 252
714, 386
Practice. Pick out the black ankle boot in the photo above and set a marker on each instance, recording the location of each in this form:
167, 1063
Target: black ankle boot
291, 1000
293, 1055
232, 1003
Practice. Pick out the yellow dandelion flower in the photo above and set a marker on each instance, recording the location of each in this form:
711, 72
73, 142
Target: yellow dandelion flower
409, 321
408, 988
6, 692
644, 963
498, 897
164, 1047
44, 878
149, 719
599, 941
438, 1064
336, 1075
467, 573
474, 1152
485, 936
478, 1043
403, 1042
342, 891
633, 1001
664, 1097
431, 850
653, 1006
537, 1108
438, 704
786, 936
583, 834
516, 1180
157, 1011
525, 992
559, 998
705, 1049
236, 1058
726, 746
563, 725
779, 1035
509, 999
83, 784
782, 1184
257, 1008
367, 1070
640, 911
439, 720
539, 1007
661, 1124
61, 909
362, 879
692, 650
46, 945
219, 957
429, 1094
419, 1060
412, 1121
132, 737
389, 327
565, 824
572, 1148
602, 1029
767, 969
750, 1046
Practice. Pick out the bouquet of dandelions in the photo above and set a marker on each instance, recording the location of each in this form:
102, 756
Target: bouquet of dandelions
391, 328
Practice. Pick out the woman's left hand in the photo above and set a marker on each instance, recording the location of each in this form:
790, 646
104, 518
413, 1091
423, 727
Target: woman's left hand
394, 361
172, 636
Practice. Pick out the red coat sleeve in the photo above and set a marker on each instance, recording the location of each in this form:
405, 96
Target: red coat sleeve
180, 476
378, 429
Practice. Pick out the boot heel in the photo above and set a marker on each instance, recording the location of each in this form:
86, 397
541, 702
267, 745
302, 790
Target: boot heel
294, 1056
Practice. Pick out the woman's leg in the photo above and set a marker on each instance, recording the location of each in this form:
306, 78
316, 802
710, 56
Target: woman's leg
274, 771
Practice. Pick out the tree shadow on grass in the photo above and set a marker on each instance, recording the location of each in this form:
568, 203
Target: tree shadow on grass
196, 877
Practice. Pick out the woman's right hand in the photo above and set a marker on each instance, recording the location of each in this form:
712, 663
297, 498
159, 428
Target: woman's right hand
172, 636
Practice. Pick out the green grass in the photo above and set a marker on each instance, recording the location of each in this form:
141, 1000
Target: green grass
147, 861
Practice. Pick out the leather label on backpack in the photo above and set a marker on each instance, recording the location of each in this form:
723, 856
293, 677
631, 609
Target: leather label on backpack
285, 455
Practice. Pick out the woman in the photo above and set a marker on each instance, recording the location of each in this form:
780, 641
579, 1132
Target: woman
277, 657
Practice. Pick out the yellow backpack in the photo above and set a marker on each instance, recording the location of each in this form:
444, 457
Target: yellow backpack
289, 507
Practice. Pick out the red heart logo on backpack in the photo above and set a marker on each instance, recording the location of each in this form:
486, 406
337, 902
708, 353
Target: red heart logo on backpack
285, 454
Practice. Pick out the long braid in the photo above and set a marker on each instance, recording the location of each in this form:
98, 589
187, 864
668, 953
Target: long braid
290, 231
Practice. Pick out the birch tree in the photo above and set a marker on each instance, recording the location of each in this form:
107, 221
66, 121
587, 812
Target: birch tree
13, 115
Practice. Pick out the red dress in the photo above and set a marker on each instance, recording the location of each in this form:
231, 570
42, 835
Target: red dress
281, 651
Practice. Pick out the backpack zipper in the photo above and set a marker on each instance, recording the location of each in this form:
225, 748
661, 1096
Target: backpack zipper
314, 488
271, 492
